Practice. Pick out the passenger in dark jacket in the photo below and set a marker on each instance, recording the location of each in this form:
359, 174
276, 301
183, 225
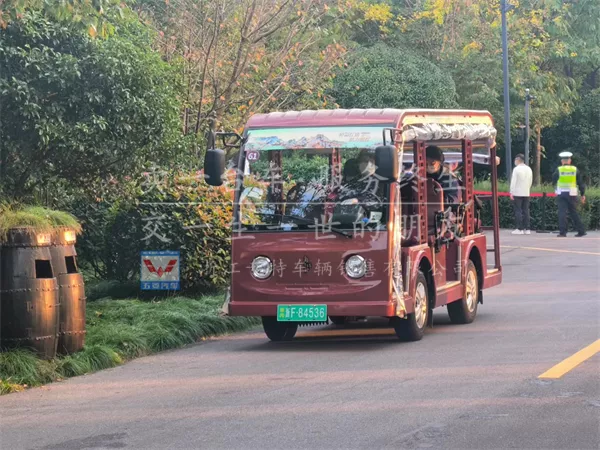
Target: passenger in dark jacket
435, 170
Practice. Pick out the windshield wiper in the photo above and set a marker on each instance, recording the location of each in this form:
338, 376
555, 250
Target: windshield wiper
341, 232
304, 221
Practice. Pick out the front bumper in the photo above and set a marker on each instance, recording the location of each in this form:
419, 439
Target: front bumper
361, 309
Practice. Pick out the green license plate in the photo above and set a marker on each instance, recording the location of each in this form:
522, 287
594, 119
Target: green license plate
301, 313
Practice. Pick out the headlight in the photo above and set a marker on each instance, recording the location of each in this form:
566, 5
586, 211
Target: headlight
262, 267
356, 266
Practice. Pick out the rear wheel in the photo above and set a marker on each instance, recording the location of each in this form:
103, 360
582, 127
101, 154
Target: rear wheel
413, 327
338, 320
279, 331
464, 310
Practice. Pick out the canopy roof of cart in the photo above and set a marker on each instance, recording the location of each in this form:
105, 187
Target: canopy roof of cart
442, 125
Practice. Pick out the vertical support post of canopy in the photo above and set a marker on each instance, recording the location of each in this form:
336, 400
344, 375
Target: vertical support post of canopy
276, 180
421, 170
467, 157
335, 162
495, 210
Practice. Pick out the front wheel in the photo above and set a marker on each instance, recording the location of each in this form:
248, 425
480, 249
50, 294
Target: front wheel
279, 331
464, 310
413, 327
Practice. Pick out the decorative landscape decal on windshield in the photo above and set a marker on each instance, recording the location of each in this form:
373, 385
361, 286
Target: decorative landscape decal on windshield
314, 138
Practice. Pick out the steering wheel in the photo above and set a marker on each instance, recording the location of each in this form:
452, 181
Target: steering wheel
365, 199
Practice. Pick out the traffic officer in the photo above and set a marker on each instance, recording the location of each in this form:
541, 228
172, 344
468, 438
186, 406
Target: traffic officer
567, 179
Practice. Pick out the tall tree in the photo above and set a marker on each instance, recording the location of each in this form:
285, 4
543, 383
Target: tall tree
76, 108
547, 51
578, 133
384, 77
248, 56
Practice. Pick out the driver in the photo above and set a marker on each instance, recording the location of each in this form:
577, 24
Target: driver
446, 179
366, 163
360, 183
359, 168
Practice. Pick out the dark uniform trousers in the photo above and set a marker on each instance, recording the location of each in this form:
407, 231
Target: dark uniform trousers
568, 203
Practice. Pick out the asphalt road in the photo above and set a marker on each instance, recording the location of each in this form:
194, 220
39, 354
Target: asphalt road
471, 386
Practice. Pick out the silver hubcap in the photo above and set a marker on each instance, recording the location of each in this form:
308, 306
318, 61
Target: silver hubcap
420, 305
471, 290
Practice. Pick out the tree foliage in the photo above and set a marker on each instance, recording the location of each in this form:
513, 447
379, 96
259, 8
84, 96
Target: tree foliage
248, 56
89, 15
160, 210
554, 50
75, 108
578, 133
384, 77
92, 89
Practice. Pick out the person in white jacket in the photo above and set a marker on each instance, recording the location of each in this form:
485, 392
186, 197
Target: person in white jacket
520, 190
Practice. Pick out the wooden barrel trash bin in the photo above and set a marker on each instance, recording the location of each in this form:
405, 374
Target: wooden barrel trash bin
28, 293
71, 329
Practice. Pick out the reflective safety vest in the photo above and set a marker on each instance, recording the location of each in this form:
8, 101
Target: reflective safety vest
567, 180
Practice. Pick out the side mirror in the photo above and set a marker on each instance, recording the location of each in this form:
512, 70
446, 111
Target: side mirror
386, 161
214, 166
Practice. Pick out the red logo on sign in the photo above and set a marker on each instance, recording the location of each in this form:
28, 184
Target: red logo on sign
160, 272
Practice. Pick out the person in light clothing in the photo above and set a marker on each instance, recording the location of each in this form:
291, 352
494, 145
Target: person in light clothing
520, 190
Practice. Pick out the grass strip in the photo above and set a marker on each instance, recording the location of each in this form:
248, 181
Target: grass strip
120, 330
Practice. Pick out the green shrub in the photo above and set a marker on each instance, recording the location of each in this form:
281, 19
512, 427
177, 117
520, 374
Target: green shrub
178, 212
196, 221
76, 108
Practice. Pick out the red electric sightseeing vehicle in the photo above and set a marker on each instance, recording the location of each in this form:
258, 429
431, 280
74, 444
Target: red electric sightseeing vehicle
336, 218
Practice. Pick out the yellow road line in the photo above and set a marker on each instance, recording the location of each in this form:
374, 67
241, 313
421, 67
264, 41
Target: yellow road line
552, 250
572, 361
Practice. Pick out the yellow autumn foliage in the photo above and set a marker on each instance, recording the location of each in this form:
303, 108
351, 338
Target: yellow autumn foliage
377, 12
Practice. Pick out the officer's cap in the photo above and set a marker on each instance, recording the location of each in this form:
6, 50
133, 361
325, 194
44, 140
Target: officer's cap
565, 155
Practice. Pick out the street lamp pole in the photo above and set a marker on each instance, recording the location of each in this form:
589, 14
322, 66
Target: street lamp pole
507, 138
528, 99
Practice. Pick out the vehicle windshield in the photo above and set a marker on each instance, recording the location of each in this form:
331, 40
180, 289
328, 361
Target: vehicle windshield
311, 186
298, 189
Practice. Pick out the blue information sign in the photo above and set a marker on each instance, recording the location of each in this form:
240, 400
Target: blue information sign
160, 271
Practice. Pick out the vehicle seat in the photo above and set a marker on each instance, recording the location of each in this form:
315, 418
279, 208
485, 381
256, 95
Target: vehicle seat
461, 191
410, 230
435, 203
351, 170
